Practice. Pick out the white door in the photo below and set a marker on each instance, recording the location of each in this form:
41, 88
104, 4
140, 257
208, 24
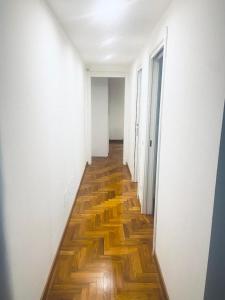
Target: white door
154, 131
137, 121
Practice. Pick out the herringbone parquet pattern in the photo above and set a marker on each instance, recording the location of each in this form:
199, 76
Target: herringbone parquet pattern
106, 250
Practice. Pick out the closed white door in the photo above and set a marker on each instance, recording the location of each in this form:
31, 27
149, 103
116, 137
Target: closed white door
154, 131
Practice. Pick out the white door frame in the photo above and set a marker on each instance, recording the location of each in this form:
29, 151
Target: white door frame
137, 124
162, 45
88, 119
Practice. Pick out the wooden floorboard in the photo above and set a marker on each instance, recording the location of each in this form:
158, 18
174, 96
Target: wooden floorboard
106, 252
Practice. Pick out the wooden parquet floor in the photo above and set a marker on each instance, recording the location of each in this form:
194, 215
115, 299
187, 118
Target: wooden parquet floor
107, 245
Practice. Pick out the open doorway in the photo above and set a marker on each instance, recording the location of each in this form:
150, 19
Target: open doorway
107, 114
137, 121
153, 131
99, 117
116, 109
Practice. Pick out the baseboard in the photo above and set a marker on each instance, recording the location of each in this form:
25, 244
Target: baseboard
44, 294
132, 179
116, 141
162, 281
129, 170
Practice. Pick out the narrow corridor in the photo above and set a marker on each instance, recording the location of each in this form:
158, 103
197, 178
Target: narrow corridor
107, 246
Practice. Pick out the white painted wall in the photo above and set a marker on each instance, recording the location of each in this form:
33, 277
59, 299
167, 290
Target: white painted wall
42, 143
100, 118
116, 108
191, 125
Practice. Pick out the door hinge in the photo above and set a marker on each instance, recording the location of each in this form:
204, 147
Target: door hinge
150, 143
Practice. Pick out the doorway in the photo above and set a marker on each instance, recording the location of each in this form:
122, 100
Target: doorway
137, 125
153, 131
107, 114
116, 94
214, 287
99, 117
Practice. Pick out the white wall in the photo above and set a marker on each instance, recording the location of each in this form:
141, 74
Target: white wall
42, 143
192, 110
116, 108
100, 119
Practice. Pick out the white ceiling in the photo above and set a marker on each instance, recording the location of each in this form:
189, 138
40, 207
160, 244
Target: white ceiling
108, 31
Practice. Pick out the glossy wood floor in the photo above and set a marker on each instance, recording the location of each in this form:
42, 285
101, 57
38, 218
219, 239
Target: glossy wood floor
106, 249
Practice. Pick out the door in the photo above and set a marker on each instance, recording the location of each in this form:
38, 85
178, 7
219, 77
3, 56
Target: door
137, 121
157, 65
214, 287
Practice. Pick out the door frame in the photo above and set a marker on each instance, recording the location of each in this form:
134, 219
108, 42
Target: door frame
137, 111
88, 120
153, 131
162, 45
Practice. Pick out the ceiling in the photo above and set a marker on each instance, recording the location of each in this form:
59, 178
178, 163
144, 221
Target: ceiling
108, 31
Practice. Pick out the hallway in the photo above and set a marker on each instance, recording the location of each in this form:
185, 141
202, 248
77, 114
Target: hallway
112, 156
106, 249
